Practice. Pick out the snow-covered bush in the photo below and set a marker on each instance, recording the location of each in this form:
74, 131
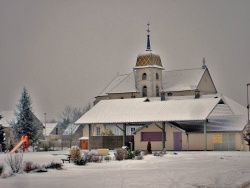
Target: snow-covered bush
15, 161
29, 166
75, 153
81, 161
54, 165
120, 154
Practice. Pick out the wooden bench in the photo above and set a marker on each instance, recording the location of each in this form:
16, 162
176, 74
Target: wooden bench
102, 151
68, 159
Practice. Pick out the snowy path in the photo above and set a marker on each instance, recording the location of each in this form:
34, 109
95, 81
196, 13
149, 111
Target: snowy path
187, 169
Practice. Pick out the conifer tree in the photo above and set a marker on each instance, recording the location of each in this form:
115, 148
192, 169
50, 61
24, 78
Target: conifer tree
25, 124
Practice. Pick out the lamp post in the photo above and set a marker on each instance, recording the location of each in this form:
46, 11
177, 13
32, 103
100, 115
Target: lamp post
45, 125
247, 137
247, 107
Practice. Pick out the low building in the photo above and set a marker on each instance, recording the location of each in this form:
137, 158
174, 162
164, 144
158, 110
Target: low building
8, 117
52, 131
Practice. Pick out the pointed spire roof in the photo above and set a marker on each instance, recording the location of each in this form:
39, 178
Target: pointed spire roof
148, 39
148, 58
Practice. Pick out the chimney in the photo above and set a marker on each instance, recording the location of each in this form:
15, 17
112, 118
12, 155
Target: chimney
197, 94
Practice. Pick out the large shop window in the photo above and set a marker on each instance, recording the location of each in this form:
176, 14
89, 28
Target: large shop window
153, 136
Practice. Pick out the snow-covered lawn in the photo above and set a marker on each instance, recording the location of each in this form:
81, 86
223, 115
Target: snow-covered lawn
186, 169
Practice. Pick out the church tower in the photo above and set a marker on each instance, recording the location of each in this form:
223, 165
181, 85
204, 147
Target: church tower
148, 72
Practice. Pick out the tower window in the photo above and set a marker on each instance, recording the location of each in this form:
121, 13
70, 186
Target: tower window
157, 91
144, 76
144, 91
157, 76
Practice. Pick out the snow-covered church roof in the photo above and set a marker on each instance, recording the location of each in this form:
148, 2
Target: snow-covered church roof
177, 80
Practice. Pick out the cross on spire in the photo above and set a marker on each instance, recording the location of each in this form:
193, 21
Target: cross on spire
148, 28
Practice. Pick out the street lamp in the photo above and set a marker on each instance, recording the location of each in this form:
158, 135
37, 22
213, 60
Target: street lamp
247, 137
247, 107
45, 125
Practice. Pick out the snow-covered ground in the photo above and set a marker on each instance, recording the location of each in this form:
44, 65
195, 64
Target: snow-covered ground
186, 169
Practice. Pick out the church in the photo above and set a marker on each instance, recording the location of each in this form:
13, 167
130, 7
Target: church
176, 110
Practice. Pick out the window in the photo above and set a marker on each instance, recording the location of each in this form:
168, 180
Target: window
144, 76
157, 76
144, 91
56, 131
132, 130
157, 91
98, 131
153, 136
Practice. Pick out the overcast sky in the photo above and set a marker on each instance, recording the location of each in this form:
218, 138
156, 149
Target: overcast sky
66, 51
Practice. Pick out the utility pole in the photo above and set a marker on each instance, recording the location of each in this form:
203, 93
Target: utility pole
45, 125
247, 137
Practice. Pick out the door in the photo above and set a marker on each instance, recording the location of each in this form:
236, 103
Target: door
84, 144
177, 141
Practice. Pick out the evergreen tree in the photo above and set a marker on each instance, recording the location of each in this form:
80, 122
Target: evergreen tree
25, 124
2, 136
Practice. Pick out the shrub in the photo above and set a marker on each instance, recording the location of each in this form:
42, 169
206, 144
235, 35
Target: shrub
82, 161
1, 169
75, 153
30, 166
130, 154
107, 158
92, 157
96, 159
120, 154
137, 152
140, 157
54, 165
15, 161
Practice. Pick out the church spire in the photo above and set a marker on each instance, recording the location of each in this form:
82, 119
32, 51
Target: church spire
148, 39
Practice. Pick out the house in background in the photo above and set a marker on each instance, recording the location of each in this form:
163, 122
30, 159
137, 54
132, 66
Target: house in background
8, 117
52, 131
73, 133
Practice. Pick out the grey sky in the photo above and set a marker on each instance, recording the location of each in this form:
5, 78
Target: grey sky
66, 52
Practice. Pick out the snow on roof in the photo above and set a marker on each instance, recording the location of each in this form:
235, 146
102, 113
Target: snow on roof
136, 110
49, 127
8, 116
236, 108
181, 80
113, 84
126, 85
176, 80
71, 129
216, 124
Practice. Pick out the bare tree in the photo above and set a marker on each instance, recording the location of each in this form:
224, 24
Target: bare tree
71, 115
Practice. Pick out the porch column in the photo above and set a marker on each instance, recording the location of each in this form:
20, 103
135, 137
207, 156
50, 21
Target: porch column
89, 137
124, 134
163, 135
205, 136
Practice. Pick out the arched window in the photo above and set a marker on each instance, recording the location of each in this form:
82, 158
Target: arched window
157, 91
157, 76
144, 91
144, 76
